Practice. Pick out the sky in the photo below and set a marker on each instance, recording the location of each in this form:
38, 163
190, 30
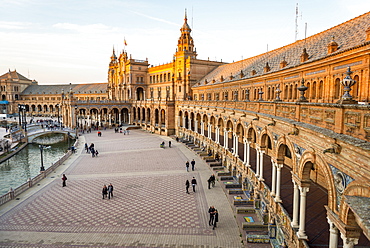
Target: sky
71, 41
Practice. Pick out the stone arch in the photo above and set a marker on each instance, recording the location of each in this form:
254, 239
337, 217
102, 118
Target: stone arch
252, 135
148, 116
181, 121
192, 116
212, 122
355, 188
156, 117
266, 142
140, 94
197, 129
307, 162
285, 152
186, 115
205, 124
163, 117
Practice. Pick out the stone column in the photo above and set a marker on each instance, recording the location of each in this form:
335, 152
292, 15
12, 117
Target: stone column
236, 145
248, 154
217, 130
196, 126
183, 122
189, 122
333, 239
110, 117
278, 182
348, 242
99, 118
261, 165
273, 186
258, 162
210, 131
302, 213
202, 128
295, 205
119, 118
245, 151
226, 136
129, 118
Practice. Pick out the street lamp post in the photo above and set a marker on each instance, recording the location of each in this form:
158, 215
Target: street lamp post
42, 158
68, 139
58, 112
19, 116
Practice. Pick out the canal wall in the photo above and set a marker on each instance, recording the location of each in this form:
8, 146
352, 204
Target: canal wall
17, 148
13, 193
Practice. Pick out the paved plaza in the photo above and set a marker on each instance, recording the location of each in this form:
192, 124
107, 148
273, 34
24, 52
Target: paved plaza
149, 209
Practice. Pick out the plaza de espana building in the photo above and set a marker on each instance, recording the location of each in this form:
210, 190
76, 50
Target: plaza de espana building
291, 125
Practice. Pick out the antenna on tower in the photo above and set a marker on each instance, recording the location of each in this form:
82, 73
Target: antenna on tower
305, 32
192, 24
296, 22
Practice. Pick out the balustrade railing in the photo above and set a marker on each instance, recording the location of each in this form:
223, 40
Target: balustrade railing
13, 193
349, 119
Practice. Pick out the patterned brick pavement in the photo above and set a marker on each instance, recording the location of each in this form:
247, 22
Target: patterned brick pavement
149, 209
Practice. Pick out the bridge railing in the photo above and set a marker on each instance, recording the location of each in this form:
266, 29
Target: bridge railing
13, 193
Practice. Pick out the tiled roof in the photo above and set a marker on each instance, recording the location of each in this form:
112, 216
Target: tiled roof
347, 35
14, 75
97, 88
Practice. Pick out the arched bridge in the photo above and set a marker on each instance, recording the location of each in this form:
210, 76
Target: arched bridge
41, 132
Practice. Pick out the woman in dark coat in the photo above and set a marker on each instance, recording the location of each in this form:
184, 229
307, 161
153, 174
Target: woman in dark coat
187, 186
104, 191
215, 219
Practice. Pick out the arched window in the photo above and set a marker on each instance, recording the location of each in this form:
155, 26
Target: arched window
321, 89
295, 91
313, 91
308, 91
286, 92
336, 88
354, 92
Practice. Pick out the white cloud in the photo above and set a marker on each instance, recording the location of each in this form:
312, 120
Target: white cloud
14, 25
91, 28
155, 18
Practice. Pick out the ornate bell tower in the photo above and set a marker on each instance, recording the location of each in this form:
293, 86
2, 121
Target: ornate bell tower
112, 76
185, 54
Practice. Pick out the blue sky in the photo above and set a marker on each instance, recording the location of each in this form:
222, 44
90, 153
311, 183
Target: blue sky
63, 41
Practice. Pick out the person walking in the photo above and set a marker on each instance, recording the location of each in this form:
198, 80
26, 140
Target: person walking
213, 180
86, 148
193, 183
110, 191
211, 212
209, 182
64, 179
215, 219
169, 144
192, 164
104, 191
187, 166
187, 184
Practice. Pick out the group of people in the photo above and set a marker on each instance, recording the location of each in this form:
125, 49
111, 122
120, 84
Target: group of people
211, 181
120, 130
193, 184
107, 191
91, 149
187, 164
213, 216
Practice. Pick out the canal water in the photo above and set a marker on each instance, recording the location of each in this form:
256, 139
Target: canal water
26, 163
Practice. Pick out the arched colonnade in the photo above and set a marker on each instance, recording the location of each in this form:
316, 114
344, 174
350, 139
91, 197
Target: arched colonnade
275, 169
